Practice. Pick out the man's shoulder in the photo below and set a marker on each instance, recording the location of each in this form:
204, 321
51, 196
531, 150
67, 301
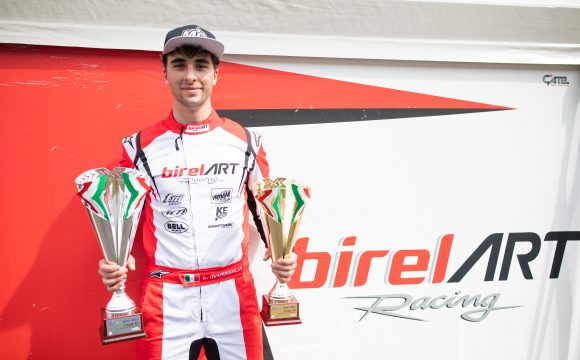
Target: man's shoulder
246, 135
145, 135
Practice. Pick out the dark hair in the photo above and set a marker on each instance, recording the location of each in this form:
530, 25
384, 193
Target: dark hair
190, 51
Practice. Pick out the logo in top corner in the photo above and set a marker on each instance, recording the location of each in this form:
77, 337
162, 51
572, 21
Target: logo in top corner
195, 32
553, 80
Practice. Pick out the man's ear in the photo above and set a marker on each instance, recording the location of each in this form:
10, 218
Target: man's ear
165, 77
215, 77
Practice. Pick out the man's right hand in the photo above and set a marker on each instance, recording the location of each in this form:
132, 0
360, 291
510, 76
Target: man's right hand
112, 274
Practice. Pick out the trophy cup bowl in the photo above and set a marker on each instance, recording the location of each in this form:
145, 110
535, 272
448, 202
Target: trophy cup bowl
114, 200
282, 202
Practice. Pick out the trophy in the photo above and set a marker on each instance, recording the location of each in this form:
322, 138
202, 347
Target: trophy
114, 200
282, 201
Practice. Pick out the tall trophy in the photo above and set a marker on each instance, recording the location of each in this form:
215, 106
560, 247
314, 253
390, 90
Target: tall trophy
114, 200
282, 201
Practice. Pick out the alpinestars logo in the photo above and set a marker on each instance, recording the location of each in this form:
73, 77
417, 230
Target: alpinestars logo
159, 273
129, 140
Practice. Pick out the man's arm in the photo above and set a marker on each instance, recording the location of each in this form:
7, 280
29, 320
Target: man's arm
283, 269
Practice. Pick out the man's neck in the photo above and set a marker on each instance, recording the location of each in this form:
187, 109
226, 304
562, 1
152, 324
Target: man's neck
184, 115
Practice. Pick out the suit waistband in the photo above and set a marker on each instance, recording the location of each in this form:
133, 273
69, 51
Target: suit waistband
195, 277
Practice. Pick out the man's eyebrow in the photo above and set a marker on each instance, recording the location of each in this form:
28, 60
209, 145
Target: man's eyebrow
202, 60
177, 60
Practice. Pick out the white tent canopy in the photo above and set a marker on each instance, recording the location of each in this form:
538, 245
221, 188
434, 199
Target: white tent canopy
516, 31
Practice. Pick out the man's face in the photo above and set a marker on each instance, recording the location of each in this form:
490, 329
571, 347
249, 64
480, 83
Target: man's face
191, 79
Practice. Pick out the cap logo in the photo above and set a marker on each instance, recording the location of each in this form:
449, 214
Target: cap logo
195, 32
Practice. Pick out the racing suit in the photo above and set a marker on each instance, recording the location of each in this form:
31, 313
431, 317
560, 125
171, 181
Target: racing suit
195, 236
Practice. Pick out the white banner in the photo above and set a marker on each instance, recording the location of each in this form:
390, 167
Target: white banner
445, 236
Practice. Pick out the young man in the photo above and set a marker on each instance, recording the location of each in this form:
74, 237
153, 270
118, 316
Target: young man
196, 218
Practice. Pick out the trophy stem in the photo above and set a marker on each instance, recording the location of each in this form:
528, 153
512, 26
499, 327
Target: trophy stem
280, 291
120, 303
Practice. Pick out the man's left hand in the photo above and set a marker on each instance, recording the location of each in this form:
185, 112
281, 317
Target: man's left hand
283, 268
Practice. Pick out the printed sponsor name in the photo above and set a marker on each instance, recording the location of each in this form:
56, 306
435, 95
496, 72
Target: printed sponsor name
213, 226
553, 80
175, 212
222, 274
204, 277
408, 266
196, 180
417, 266
483, 305
221, 196
214, 169
173, 199
176, 226
193, 129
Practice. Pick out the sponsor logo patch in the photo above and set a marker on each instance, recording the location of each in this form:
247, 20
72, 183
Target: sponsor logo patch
173, 199
159, 273
221, 196
195, 32
228, 225
194, 129
176, 226
221, 212
203, 169
129, 140
175, 212
553, 80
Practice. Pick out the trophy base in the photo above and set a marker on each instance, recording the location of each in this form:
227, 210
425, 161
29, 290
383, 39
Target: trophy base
280, 312
121, 327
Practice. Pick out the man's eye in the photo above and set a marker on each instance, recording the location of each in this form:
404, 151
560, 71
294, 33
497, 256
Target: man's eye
178, 66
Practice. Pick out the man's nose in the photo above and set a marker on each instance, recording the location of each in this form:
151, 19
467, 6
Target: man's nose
190, 74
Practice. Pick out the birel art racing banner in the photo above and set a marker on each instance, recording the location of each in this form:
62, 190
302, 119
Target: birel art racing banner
443, 222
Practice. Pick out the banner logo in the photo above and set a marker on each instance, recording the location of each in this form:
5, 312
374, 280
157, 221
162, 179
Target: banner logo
553, 80
496, 252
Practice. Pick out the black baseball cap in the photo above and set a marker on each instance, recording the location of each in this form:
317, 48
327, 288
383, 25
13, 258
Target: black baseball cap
193, 35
